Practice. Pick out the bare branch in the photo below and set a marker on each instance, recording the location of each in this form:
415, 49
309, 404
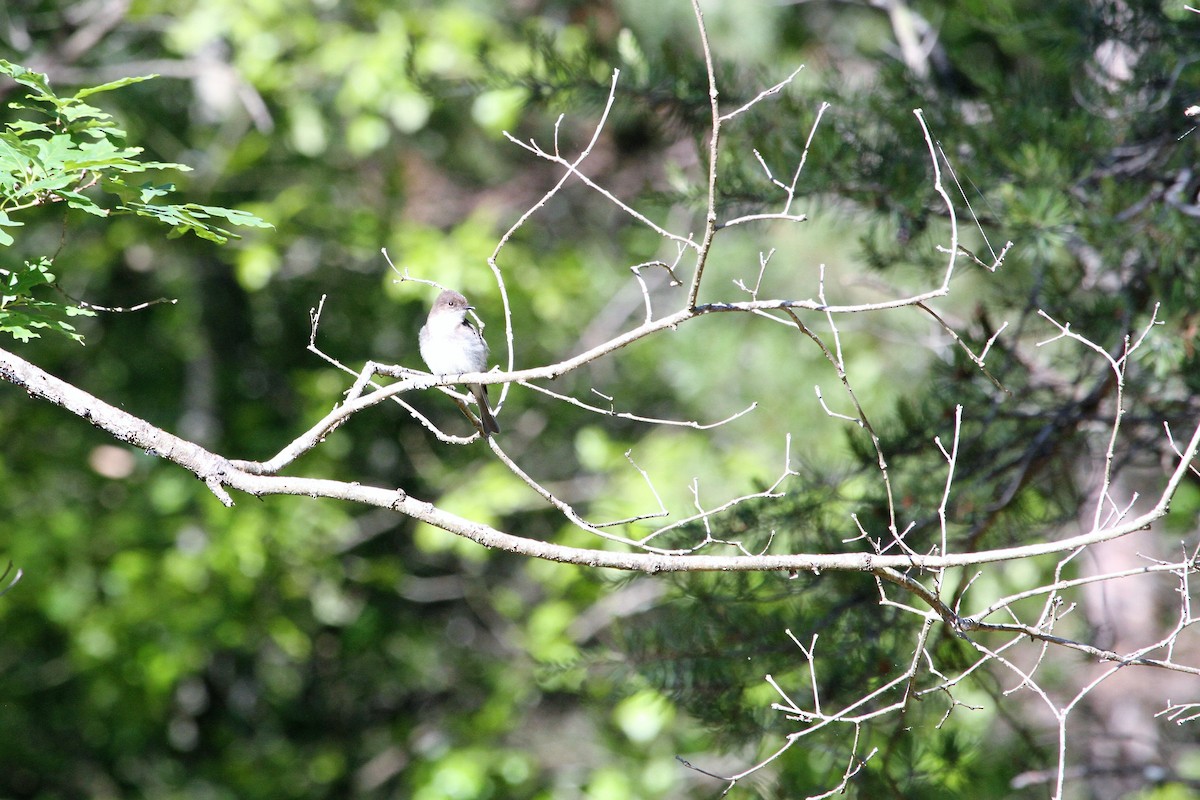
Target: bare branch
710, 213
765, 93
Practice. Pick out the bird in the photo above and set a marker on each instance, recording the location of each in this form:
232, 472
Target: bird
451, 345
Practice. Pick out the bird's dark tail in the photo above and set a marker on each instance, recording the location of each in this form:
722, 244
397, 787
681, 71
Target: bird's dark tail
490, 425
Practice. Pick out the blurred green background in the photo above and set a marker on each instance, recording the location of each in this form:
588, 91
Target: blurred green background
160, 645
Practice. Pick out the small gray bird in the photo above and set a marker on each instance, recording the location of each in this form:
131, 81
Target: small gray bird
451, 345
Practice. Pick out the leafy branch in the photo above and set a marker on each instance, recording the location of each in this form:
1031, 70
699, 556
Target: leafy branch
57, 150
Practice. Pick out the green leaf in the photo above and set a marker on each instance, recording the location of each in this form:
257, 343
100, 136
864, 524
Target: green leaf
185, 217
15, 155
56, 159
57, 180
22, 315
235, 216
117, 84
25, 77
82, 111
148, 165
27, 126
19, 283
83, 203
23, 326
7, 222
19, 332
150, 191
